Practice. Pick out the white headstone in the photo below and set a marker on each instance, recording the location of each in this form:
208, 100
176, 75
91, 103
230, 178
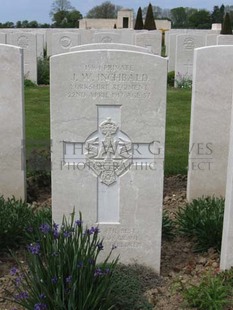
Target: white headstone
2, 38
40, 45
171, 52
12, 160
86, 35
185, 45
210, 121
63, 41
151, 40
108, 128
226, 261
211, 39
225, 40
27, 41
106, 37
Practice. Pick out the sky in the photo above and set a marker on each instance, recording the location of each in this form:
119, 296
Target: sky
14, 10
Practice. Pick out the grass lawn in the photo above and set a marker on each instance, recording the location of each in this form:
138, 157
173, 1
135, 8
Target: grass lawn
37, 117
177, 131
177, 125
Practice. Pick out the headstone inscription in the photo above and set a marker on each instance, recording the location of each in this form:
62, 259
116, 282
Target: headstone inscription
108, 128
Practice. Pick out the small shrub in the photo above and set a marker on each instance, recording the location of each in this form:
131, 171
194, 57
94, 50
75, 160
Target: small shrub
39, 163
15, 218
62, 270
38, 173
28, 83
43, 71
183, 81
212, 293
171, 78
130, 284
168, 226
203, 220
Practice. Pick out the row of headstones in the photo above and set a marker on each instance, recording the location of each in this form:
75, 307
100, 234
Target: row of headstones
181, 46
58, 41
108, 110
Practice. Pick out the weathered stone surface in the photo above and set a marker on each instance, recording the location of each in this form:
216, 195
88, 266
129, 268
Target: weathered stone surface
108, 129
210, 121
226, 261
185, 45
63, 41
224, 40
12, 161
27, 41
151, 40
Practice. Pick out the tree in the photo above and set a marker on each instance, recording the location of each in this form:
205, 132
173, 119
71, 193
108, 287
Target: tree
218, 14
149, 20
139, 20
7, 25
60, 5
179, 17
18, 24
229, 9
226, 27
64, 15
67, 19
104, 10
59, 18
157, 11
200, 19
73, 18
33, 24
45, 25
24, 24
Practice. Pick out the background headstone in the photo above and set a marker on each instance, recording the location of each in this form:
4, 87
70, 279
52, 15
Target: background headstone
106, 37
210, 121
27, 41
12, 160
211, 39
152, 40
226, 261
171, 52
103, 98
63, 41
225, 40
2, 38
185, 45
40, 45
